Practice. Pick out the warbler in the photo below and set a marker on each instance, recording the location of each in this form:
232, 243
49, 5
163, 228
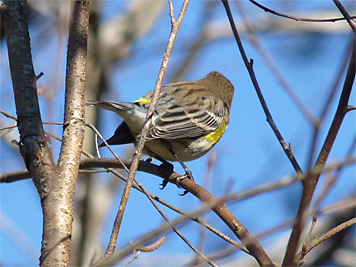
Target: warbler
189, 119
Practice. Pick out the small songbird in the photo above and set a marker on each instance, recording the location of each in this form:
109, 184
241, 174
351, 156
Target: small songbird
189, 119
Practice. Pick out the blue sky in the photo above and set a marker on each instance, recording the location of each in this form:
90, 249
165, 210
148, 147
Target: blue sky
248, 153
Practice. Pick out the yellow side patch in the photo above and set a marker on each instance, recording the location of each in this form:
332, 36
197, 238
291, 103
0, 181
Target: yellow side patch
143, 100
214, 137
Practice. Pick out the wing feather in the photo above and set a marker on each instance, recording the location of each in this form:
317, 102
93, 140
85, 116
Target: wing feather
179, 122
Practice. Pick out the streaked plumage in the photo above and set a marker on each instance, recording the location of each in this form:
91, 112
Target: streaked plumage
189, 120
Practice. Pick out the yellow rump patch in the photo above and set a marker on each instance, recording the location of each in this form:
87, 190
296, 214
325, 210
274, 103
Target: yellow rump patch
214, 137
144, 101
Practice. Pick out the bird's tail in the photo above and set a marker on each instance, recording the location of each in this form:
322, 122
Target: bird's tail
109, 105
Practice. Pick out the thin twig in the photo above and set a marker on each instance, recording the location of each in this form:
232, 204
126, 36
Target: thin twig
349, 203
309, 184
273, 68
195, 45
332, 180
280, 227
266, 9
8, 115
134, 257
318, 240
133, 168
10, 177
186, 214
212, 204
287, 149
350, 108
8, 129
108, 146
175, 229
346, 15
327, 104
207, 178
307, 243
219, 207
145, 166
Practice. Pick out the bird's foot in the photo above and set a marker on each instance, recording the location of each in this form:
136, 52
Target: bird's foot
165, 170
188, 175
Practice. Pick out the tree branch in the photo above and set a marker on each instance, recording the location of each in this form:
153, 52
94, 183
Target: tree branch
346, 15
318, 240
60, 200
266, 9
309, 184
133, 168
287, 149
32, 145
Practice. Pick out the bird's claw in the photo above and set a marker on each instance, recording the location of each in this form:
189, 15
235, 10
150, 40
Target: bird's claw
188, 175
166, 169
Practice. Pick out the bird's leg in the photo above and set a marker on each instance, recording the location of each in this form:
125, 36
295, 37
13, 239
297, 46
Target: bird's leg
166, 169
188, 173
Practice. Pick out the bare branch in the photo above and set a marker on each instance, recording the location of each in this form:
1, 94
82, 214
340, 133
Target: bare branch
133, 168
346, 15
309, 184
60, 200
318, 240
266, 9
327, 104
32, 145
175, 229
230, 220
248, 64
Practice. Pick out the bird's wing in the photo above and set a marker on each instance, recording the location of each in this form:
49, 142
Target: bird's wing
179, 122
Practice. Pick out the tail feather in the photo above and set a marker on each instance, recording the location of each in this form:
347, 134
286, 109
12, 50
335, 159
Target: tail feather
109, 105
121, 136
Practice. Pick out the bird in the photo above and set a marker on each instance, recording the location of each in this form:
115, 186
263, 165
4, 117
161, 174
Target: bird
189, 119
